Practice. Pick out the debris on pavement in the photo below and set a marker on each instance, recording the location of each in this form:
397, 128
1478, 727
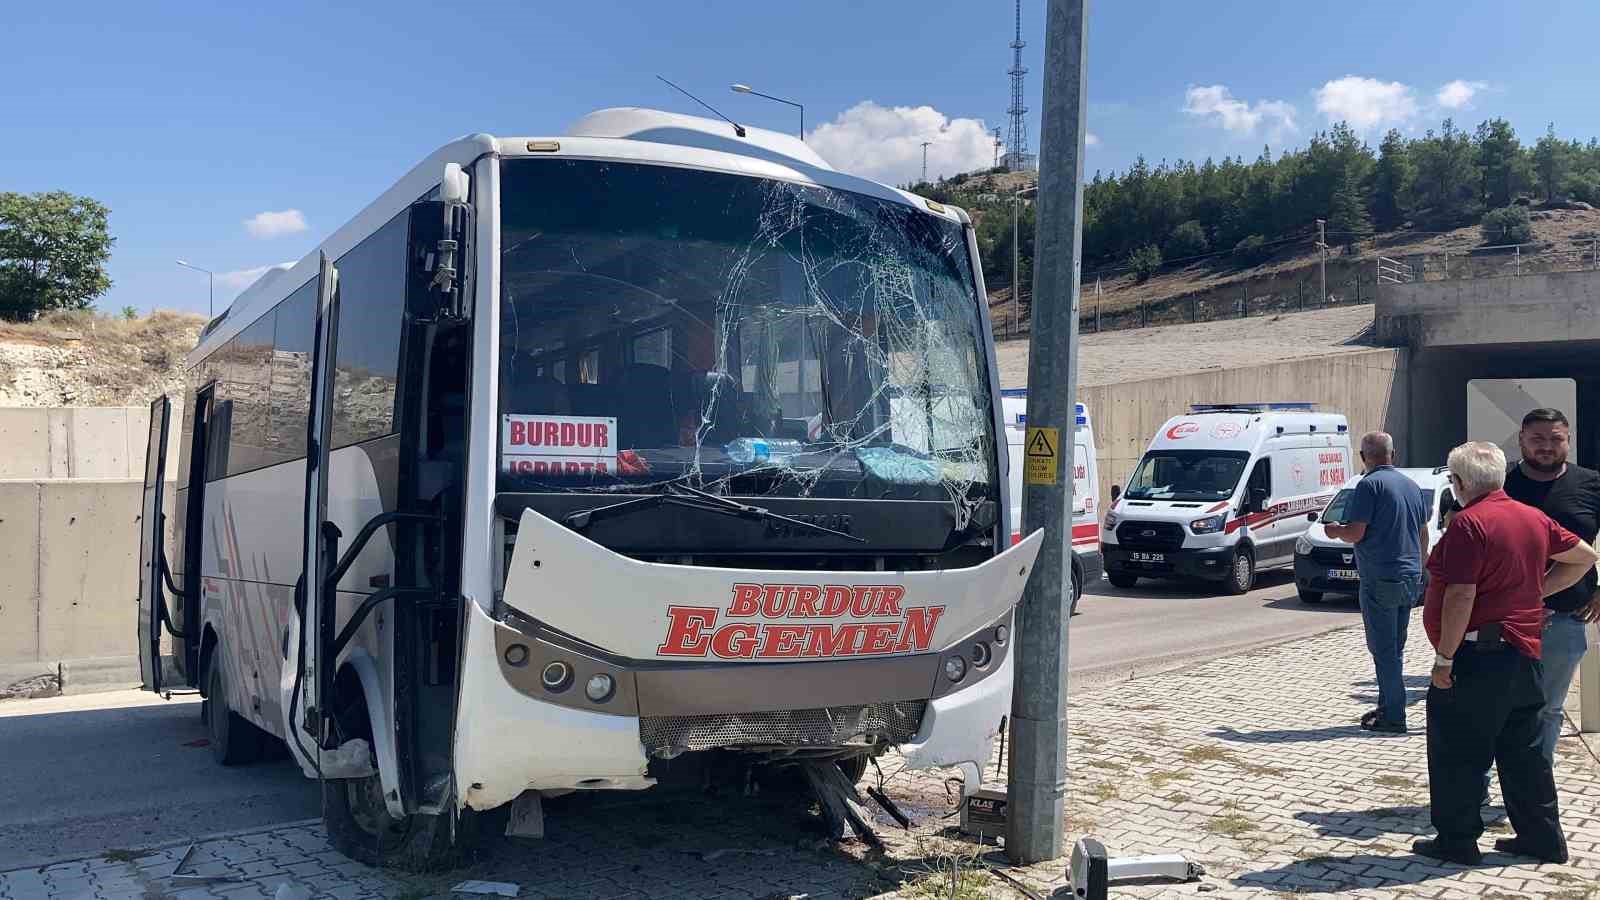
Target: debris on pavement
495, 888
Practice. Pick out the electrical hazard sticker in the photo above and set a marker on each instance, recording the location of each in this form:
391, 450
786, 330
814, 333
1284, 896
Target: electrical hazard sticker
1041, 457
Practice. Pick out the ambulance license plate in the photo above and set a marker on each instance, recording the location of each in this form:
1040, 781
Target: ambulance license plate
1344, 574
1148, 557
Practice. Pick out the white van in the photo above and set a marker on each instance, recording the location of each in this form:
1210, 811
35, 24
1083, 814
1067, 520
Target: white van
1086, 559
1225, 492
1323, 565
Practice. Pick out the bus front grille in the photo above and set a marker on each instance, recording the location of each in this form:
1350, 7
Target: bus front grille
893, 722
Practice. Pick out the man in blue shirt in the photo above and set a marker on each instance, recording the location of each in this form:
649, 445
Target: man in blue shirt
1387, 521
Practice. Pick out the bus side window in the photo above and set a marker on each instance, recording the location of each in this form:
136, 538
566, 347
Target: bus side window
372, 286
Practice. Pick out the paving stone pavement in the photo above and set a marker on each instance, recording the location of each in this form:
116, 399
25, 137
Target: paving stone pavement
1251, 766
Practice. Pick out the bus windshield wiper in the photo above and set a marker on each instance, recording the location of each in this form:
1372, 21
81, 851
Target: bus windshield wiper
695, 499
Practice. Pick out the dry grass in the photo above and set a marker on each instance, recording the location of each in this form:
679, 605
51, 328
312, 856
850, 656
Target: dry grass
1230, 825
86, 359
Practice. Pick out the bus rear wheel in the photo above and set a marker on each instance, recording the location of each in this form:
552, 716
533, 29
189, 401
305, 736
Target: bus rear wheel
233, 739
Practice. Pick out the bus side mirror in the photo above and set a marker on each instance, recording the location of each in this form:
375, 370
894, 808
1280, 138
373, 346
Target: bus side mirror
439, 250
1116, 492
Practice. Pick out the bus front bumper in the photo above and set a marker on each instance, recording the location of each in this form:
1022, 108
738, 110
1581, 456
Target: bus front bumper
514, 732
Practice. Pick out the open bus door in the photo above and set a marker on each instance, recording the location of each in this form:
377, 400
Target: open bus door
304, 713
152, 551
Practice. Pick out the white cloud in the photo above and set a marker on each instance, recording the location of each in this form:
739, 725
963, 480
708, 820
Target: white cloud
1216, 104
1366, 103
1091, 140
885, 143
236, 281
275, 224
1458, 94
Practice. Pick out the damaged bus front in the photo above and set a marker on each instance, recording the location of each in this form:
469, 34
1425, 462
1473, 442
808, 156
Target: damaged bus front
748, 482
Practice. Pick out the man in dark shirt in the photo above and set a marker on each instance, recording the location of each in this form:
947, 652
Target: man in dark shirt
1387, 520
1484, 614
1569, 494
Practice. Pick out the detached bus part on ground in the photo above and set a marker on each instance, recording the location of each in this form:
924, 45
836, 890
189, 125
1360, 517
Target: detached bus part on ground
571, 462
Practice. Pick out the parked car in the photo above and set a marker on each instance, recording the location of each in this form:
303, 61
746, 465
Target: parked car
1323, 565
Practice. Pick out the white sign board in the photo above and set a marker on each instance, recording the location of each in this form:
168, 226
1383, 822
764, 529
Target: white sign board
554, 445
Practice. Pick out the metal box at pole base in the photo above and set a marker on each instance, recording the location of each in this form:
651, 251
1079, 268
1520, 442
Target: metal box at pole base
984, 813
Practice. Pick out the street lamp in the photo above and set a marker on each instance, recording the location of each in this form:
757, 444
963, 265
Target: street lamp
211, 286
747, 89
1016, 246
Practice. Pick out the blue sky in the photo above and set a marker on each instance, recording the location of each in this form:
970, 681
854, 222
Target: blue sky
191, 121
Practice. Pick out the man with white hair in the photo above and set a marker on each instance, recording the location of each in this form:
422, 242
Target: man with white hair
1484, 614
1387, 520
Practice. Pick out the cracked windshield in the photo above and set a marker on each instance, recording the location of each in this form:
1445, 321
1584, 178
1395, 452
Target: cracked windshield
741, 335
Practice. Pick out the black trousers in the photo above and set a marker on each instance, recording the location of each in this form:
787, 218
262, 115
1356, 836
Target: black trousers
1491, 714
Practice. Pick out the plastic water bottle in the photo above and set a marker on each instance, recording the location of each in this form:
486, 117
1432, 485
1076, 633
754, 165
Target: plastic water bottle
762, 450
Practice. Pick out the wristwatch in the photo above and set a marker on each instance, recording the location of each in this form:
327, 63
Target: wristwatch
1440, 661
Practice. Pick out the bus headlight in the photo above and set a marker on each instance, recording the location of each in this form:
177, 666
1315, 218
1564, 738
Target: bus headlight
955, 668
1208, 525
600, 688
557, 676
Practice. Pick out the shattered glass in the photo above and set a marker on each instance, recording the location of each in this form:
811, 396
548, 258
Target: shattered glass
740, 335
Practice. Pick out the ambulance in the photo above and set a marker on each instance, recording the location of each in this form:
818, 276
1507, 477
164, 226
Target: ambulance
1225, 492
1087, 565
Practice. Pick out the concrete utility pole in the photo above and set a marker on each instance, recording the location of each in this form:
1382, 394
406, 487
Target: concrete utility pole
1037, 765
1322, 257
925, 161
1016, 251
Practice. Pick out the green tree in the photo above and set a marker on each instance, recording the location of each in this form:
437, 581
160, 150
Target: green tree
1145, 261
1447, 178
1392, 181
1347, 214
1507, 225
1188, 239
53, 251
1552, 160
1501, 167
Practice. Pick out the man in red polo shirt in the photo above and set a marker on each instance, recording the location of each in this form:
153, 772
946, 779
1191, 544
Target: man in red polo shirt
1484, 614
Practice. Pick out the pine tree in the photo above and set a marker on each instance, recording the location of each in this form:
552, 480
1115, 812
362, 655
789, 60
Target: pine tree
1392, 182
1347, 213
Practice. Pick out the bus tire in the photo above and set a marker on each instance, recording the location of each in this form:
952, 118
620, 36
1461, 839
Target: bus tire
360, 826
234, 740
1121, 579
1241, 572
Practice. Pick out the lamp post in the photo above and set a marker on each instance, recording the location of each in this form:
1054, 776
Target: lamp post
747, 89
1016, 248
211, 286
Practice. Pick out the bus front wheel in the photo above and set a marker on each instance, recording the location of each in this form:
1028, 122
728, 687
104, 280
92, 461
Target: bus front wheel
360, 826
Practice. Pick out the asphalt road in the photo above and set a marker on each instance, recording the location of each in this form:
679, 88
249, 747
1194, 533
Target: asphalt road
86, 774
1159, 625
126, 770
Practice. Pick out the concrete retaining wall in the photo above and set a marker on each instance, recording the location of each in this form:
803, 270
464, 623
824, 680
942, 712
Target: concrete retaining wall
1368, 387
79, 442
69, 582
